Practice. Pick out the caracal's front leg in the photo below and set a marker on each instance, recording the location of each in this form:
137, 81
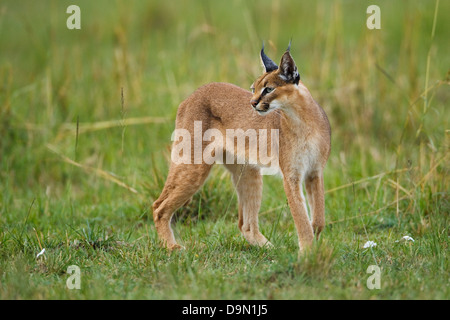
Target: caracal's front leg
293, 189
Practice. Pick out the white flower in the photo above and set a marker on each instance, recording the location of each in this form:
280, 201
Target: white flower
405, 238
369, 244
40, 253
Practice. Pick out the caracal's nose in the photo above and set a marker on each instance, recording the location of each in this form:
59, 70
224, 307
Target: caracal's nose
254, 103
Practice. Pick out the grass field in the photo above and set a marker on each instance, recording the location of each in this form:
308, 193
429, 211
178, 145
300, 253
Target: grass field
86, 118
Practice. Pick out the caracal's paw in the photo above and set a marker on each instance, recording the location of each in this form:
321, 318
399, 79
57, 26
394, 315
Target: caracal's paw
258, 240
268, 245
175, 246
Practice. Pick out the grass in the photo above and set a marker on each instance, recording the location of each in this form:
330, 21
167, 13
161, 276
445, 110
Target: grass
85, 123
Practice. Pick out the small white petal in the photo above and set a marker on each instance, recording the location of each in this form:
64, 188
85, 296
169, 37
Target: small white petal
369, 244
40, 253
408, 238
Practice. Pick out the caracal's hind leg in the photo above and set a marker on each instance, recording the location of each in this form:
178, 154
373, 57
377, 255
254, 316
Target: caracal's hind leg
182, 182
316, 199
248, 183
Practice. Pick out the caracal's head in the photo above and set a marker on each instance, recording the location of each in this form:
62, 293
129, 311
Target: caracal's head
272, 90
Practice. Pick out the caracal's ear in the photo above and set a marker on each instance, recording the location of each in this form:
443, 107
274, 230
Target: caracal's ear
268, 64
288, 69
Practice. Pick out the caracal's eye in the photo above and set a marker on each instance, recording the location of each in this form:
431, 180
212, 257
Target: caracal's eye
268, 89
252, 89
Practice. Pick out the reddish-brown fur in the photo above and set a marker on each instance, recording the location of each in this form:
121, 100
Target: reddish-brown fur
304, 147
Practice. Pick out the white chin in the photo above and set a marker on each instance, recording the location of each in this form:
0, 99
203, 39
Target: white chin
264, 112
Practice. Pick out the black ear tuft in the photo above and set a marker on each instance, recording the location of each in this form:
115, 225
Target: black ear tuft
288, 69
269, 65
289, 46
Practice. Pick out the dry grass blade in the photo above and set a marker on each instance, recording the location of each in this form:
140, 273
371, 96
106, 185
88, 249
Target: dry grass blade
69, 128
351, 184
347, 185
427, 176
397, 186
371, 212
99, 172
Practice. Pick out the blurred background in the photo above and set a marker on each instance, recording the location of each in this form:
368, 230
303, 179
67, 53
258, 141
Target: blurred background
86, 118
86, 115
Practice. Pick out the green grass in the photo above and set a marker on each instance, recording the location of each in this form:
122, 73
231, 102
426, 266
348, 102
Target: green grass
86, 118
